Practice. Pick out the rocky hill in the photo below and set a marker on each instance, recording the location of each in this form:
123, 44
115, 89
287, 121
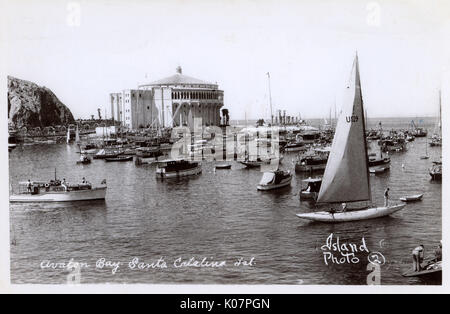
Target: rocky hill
31, 105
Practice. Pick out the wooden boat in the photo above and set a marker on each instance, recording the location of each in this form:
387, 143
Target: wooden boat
177, 168
346, 178
429, 269
55, 191
312, 189
274, 180
145, 161
103, 154
373, 162
412, 198
119, 158
258, 162
312, 162
295, 147
84, 161
223, 166
436, 171
379, 169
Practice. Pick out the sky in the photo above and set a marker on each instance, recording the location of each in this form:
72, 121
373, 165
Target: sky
84, 50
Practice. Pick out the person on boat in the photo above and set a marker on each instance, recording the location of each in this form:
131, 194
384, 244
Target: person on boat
84, 180
418, 254
344, 207
386, 197
438, 253
29, 185
64, 184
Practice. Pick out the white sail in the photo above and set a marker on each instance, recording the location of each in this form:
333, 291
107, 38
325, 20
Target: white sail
68, 135
346, 177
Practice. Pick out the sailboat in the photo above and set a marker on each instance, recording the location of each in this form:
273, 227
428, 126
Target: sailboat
346, 178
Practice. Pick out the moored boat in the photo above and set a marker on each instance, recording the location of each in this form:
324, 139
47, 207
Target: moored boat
379, 169
119, 158
312, 162
311, 191
258, 162
103, 154
223, 166
177, 168
436, 171
274, 180
84, 160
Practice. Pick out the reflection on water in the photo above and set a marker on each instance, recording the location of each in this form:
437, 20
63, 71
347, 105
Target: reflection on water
218, 215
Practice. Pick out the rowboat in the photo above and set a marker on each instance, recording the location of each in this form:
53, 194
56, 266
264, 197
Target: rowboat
347, 178
412, 198
223, 166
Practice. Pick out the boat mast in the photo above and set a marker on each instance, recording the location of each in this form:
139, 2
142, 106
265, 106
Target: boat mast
270, 99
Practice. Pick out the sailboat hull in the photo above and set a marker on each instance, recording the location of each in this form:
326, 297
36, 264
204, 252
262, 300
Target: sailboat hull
356, 215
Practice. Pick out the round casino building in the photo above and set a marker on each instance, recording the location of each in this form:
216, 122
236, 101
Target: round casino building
179, 99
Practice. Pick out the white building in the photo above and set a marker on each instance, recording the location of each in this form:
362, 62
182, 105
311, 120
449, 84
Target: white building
169, 102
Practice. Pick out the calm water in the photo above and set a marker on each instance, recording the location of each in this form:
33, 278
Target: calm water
218, 215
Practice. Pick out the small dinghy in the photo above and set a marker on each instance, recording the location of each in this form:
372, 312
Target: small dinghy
84, 161
412, 198
274, 180
119, 158
379, 169
223, 166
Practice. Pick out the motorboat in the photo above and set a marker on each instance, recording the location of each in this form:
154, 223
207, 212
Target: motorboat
436, 171
57, 191
379, 169
311, 191
274, 180
177, 168
258, 162
317, 161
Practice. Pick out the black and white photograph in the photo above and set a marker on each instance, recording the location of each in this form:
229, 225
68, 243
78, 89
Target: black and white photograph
217, 143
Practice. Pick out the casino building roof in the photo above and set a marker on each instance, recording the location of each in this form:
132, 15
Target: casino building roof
180, 80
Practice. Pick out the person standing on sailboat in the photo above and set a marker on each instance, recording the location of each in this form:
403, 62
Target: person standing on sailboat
386, 197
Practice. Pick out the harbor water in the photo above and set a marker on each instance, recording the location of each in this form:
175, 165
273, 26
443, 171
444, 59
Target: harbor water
218, 215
